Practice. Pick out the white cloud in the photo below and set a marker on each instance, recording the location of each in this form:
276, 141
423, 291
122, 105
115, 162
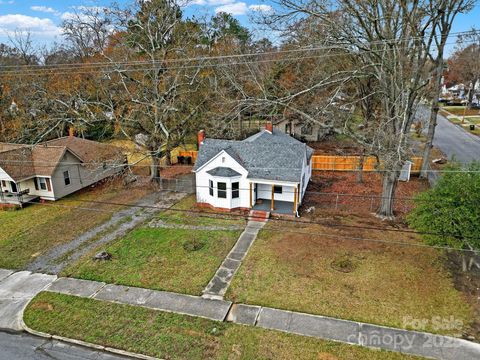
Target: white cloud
261, 8
220, 2
239, 8
45, 9
43, 28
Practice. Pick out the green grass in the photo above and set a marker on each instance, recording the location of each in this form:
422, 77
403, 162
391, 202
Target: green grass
159, 258
362, 281
27, 233
172, 336
199, 217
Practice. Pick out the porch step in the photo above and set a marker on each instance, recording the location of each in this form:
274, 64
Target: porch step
258, 215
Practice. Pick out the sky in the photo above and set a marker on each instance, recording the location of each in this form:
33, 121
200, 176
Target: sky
43, 17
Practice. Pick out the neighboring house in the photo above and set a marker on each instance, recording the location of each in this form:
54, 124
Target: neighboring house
268, 171
54, 169
301, 130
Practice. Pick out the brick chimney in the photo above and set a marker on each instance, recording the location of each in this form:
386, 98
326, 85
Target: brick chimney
269, 127
71, 131
200, 138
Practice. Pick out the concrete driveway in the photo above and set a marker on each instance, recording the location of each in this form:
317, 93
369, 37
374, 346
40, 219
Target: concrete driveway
16, 291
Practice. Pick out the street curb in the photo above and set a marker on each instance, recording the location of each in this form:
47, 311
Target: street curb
87, 344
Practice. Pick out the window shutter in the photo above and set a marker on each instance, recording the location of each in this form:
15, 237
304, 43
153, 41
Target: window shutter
35, 180
49, 186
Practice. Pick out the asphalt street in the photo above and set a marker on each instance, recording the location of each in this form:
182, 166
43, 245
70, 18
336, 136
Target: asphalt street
455, 142
23, 346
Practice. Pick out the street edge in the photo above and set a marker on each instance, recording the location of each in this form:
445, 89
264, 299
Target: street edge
86, 344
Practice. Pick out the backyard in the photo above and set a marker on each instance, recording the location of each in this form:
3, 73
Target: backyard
172, 336
30, 232
175, 251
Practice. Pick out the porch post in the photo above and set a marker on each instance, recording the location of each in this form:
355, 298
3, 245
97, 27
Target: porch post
272, 207
251, 196
295, 201
298, 194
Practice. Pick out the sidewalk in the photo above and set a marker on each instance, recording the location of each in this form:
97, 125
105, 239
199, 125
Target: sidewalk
356, 333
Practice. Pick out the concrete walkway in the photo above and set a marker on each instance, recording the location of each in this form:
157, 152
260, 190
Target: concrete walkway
217, 287
56, 259
23, 285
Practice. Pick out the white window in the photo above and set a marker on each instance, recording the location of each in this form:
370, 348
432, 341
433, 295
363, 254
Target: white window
222, 190
235, 190
42, 182
66, 178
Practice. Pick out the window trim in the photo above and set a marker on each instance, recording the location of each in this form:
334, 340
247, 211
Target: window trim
42, 184
65, 178
210, 187
236, 191
222, 193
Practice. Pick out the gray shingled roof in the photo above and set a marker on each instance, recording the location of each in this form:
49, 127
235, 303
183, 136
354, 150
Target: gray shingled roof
223, 172
276, 156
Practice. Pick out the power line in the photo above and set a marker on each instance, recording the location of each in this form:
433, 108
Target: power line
240, 216
283, 230
79, 70
217, 57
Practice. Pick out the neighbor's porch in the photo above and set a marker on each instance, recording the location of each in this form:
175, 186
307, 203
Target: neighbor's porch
275, 197
11, 194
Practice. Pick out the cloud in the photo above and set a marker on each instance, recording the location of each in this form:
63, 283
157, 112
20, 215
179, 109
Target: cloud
261, 8
43, 28
45, 9
239, 8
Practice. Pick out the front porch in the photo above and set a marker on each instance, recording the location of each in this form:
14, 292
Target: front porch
280, 207
17, 199
275, 197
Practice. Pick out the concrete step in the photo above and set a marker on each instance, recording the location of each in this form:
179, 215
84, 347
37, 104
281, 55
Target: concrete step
259, 215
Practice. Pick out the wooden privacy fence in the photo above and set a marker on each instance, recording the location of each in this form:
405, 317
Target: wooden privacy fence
334, 162
352, 163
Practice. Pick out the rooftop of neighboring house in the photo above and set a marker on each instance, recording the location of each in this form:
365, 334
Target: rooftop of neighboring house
269, 155
22, 161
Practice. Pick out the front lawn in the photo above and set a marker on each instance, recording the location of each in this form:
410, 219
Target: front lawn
25, 234
289, 267
186, 212
178, 260
172, 336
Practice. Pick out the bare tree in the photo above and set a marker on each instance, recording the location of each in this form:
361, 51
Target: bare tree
448, 11
389, 42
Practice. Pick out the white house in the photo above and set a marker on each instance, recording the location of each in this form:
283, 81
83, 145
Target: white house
54, 169
268, 171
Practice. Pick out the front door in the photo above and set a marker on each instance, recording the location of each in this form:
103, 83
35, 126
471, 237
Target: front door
14, 187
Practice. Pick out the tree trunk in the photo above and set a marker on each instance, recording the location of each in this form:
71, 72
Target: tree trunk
360, 167
155, 169
432, 124
388, 190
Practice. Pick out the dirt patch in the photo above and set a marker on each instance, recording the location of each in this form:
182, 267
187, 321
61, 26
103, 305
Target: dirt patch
341, 191
332, 146
175, 171
469, 284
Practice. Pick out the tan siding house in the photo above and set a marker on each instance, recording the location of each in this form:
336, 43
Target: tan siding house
54, 169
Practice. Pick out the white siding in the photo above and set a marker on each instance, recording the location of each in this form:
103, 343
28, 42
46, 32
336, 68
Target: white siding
264, 186
203, 178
